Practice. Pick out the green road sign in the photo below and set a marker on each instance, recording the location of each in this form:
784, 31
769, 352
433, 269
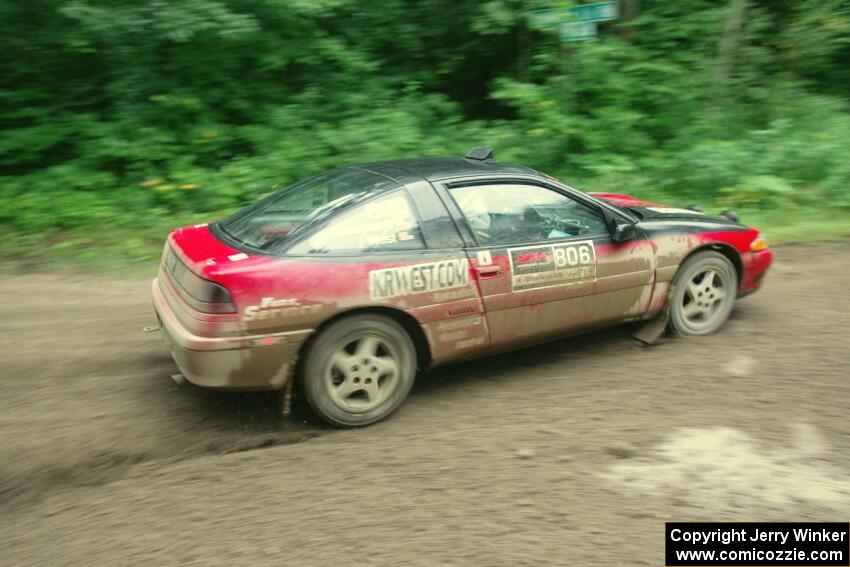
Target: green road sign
597, 12
543, 18
582, 19
578, 31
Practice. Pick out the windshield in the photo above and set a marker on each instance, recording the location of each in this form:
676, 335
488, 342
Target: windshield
278, 217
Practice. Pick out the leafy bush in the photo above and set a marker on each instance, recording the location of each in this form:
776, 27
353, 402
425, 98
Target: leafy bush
117, 122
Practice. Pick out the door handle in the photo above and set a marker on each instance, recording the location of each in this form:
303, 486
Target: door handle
488, 271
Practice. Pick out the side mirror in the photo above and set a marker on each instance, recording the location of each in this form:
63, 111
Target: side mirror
731, 215
623, 231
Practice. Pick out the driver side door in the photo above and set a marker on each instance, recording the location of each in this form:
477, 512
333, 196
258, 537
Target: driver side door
545, 262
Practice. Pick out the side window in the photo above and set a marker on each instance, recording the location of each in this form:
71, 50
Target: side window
383, 224
512, 213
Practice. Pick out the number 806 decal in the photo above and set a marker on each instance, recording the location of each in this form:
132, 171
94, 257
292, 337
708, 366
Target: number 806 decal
557, 264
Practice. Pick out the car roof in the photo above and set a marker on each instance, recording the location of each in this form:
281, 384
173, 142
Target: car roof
434, 169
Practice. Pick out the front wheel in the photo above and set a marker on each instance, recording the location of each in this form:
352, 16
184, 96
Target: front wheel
359, 370
705, 289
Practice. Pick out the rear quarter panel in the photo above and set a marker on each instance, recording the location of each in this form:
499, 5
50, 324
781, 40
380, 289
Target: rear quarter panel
288, 294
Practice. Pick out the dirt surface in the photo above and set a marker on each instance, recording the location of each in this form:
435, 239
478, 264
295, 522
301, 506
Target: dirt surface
572, 453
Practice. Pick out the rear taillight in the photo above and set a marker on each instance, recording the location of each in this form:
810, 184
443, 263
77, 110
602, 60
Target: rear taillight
214, 298
201, 294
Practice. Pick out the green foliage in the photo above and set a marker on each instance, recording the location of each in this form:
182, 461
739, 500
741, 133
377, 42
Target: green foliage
122, 117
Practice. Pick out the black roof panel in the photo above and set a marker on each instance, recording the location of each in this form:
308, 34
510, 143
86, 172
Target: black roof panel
434, 169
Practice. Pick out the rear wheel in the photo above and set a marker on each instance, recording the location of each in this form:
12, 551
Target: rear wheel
359, 370
705, 289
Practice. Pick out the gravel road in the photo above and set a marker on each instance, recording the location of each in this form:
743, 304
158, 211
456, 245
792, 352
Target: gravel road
571, 453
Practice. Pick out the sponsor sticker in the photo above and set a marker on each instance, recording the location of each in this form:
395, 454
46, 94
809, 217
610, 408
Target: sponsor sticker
452, 336
453, 295
418, 278
485, 258
467, 343
272, 308
551, 265
459, 323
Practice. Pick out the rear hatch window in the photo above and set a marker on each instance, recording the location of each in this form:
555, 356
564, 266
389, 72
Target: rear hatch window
273, 222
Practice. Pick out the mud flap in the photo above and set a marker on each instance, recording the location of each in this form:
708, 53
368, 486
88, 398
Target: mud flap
286, 390
286, 399
651, 332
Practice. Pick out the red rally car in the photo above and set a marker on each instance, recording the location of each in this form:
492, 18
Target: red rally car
349, 282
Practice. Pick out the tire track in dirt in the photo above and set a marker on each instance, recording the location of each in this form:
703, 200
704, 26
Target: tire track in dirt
21, 490
87, 399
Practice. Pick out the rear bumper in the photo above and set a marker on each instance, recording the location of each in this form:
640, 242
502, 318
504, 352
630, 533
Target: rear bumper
251, 362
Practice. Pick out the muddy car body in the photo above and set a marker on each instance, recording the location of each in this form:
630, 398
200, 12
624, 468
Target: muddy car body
361, 276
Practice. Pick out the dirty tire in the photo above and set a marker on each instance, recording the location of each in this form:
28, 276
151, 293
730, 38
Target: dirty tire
359, 370
705, 289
